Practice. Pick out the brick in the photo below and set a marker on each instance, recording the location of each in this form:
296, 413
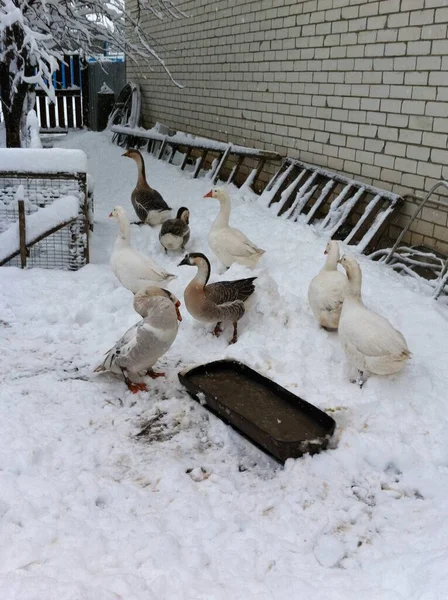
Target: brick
441, 15
421, 48
388, 133
423, 93
437, 109
398, 20
440, 47
407, 63
416, 78
433, 32
413, 107
429, 63
397, 49
428, 169
397, 120
410, 136
426, 123
374, 50
395, 149
376, 22
406, 165
435, 139
439, 156
367, 9
422, 17
417, 152
389, 6
409, 33
387, 35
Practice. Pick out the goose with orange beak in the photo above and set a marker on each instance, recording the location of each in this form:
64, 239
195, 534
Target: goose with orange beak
229, 244
137, 351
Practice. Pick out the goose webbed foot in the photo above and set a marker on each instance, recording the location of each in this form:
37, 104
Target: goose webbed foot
154, 374
360, 378
217, 330
235, 334
133, 387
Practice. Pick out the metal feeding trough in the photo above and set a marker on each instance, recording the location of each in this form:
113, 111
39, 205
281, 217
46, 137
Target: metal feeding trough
270, 416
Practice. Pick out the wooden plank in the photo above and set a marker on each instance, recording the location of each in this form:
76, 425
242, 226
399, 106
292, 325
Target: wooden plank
162, 149
221, 164
365, 221
186, 157
200, 164
348, 208
52, 115
288, 188
70, 118
326, 191
234, 172
78, 111
260, 166
43, 111
384, 222
61, 112
22, 234
172, 155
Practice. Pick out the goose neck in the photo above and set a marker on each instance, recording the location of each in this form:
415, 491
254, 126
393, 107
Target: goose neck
202, 275
331, 264
354, 284
141, 179
124, 236
222, 220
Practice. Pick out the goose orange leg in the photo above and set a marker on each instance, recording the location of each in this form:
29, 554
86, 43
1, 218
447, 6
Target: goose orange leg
154, 374
133, 387
217, 330
235, 333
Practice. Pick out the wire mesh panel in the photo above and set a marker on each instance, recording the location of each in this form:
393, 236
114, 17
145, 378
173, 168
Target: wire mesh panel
65, 249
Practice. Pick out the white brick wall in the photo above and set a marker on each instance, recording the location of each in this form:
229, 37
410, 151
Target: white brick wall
360, 86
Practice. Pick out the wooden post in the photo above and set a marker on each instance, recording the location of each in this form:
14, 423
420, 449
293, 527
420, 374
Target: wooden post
221, 164
200, 164
22, 234
186, 157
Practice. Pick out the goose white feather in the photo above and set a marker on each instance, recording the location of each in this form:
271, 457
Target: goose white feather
326, 292
146, 341
230, 245
133, 269
369, 341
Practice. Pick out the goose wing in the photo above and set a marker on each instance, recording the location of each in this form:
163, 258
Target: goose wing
142, 267
372, 335
145, 200
228, 291
237, 243
230, 311
121, 350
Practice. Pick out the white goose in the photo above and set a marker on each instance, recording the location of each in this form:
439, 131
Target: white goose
133, 269
327, 290
146, 341
229, 244
369, 341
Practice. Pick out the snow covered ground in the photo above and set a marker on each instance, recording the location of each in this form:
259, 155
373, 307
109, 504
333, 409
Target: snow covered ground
88, 511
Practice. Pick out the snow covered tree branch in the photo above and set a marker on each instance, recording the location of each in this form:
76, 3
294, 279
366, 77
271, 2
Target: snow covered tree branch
35, 35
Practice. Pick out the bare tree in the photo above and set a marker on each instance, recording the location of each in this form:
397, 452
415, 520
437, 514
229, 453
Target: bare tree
35, 34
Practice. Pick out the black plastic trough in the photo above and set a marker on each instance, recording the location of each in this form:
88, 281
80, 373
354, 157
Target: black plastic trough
270, 416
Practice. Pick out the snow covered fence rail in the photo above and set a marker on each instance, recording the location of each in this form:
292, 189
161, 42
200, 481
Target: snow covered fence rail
20, 236
40, 177
343, 208
158, 143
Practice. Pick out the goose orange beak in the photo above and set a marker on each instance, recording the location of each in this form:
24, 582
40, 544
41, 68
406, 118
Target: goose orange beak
325, 251
209, 194
110, 215
125, 153
179, 316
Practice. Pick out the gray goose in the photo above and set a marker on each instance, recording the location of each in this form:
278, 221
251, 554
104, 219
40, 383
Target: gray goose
175, 233
145, 342
216, 302
148, 204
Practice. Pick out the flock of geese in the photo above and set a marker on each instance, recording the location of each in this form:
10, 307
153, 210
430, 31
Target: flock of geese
369, 341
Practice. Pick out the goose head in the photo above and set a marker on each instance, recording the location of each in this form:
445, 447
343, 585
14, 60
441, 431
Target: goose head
199, 260
118, 213
134, 154
332, 252
184, 214
147, 298
219, 194
354, 274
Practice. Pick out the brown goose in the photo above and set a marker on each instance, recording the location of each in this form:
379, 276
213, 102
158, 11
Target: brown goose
216, 302
148, 204
175, 233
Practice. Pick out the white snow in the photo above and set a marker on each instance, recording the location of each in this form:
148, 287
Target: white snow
47, 160
91, 512
44, 219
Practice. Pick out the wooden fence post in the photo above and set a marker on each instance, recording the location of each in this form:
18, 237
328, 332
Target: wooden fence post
22, 233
